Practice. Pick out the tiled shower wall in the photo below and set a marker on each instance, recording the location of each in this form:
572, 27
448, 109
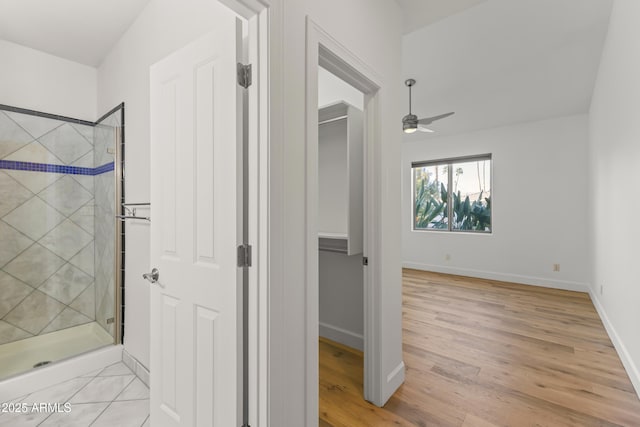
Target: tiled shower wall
105, 145
47, 174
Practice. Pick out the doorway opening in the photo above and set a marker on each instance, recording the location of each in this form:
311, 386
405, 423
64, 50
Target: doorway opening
325, 52
341, 262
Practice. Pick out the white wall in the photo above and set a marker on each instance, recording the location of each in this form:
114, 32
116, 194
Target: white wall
332, 89
39, 81
539, 203
614, 160
371, 29
341, 298
163, 27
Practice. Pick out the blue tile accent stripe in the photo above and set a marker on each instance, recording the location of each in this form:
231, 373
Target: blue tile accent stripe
45, 167
107, 167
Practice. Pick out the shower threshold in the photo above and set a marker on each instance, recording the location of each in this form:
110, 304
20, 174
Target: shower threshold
20, 356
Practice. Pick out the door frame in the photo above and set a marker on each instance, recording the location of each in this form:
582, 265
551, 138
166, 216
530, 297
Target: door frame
256, 13
324, 50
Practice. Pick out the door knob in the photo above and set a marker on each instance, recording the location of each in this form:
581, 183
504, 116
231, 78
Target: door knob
153, 276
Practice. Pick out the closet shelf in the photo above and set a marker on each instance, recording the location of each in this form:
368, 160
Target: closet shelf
331, 244
340, 170
325, 235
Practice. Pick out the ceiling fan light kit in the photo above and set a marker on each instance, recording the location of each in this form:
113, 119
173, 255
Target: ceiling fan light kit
411, 123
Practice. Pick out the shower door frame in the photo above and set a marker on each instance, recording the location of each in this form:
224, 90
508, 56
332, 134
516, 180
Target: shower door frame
119, 234
119, 193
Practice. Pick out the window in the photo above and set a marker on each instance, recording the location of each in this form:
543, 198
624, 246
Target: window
452, 194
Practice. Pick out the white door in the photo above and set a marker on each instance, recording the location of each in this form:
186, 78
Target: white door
196, 153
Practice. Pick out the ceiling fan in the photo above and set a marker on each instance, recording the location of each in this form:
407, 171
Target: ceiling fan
411, 123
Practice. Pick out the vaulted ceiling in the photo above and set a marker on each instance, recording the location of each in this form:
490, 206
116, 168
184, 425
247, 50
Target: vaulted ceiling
83, 31
419, 13
506, 61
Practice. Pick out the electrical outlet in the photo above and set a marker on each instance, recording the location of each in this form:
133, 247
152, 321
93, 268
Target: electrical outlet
447, 257
556, 267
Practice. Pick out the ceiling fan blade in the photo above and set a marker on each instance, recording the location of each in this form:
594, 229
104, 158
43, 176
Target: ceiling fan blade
424, 129
429, 120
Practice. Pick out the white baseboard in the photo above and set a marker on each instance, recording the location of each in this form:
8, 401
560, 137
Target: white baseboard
504, 277
342, 336
136, 367
394, 381
58, 372
623, 353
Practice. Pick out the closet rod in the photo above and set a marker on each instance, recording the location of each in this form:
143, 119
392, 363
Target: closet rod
335, 119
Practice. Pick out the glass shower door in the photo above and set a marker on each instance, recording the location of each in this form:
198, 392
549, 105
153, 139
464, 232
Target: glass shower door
54, 301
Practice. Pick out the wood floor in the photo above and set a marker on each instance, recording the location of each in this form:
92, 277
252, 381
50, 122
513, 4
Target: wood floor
481, 353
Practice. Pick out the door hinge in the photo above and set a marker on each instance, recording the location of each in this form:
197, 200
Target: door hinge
244, 255
365, 260
244, 75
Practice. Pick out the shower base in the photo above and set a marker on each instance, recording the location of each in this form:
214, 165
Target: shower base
21, 356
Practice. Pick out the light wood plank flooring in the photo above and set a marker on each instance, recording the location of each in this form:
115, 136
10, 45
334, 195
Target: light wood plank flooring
481, 353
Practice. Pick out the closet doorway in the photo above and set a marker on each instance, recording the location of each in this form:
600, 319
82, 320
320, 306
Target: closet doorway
341, 259
371, 379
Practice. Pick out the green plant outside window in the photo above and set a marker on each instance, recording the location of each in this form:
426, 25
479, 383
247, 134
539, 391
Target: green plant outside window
453, 195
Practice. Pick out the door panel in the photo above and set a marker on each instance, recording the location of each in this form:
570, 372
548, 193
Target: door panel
196, 187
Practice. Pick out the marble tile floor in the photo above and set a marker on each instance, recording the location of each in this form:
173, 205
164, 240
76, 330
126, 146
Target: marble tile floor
110, 397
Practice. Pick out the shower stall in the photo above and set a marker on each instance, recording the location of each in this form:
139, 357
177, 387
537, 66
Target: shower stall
61, 244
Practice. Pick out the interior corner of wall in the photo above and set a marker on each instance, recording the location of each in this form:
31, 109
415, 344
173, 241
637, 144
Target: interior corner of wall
629, 364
